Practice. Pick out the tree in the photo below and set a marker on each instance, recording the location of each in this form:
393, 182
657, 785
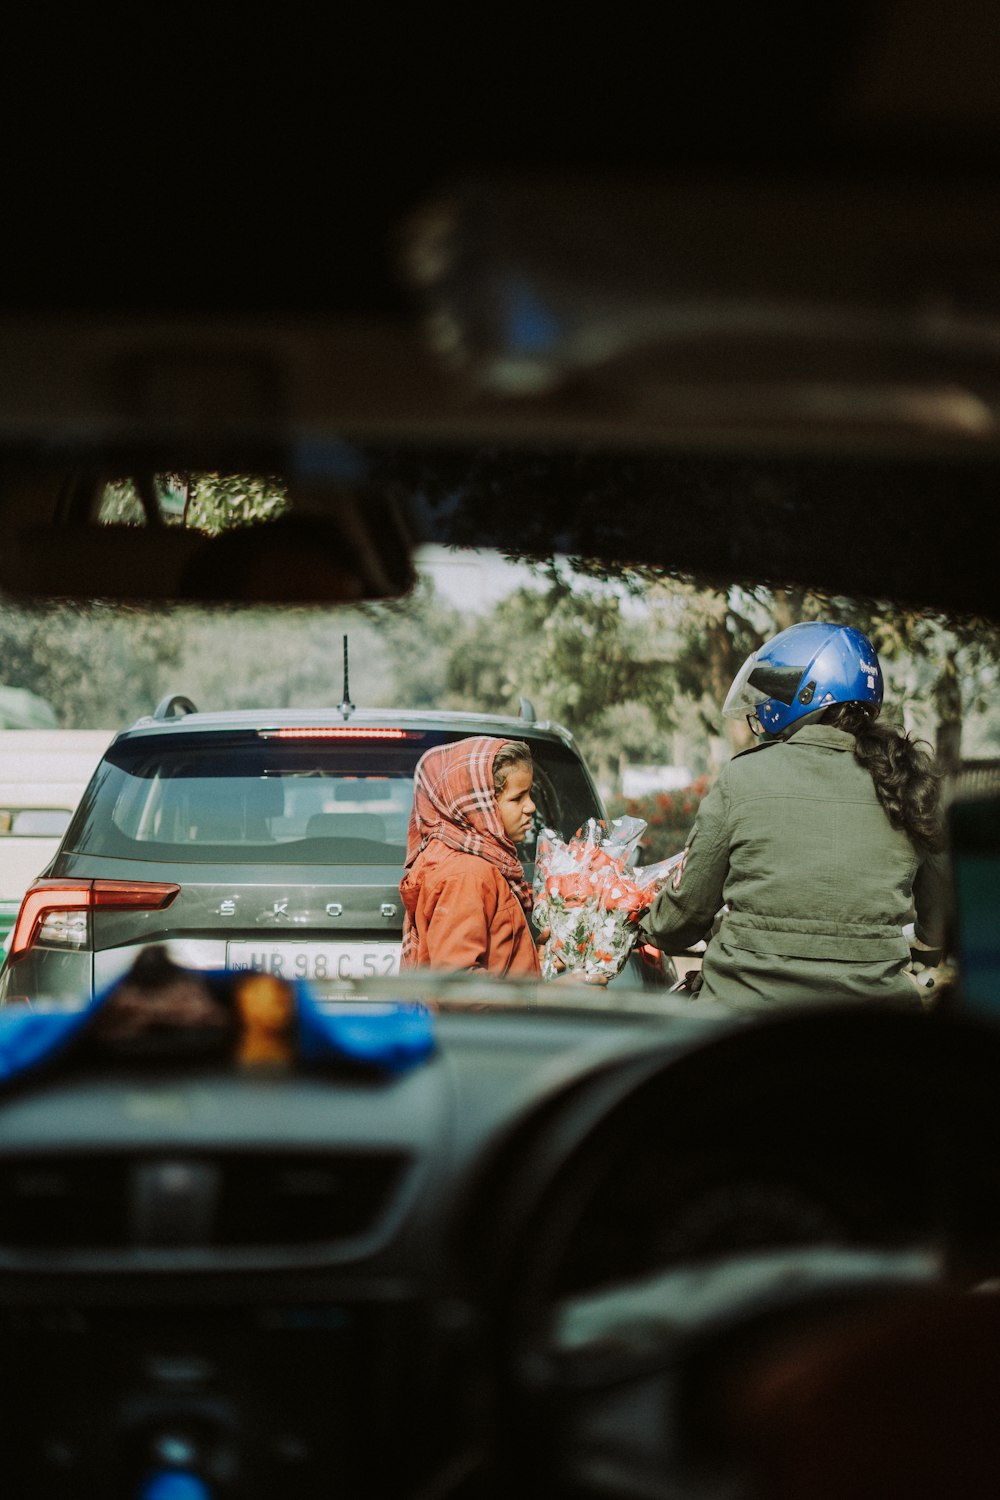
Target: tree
249, 658
709, 519
98, 665
573, 652
418, 635
940, 669
208, 502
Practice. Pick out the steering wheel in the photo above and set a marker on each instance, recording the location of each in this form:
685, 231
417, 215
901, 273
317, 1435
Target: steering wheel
701, 1222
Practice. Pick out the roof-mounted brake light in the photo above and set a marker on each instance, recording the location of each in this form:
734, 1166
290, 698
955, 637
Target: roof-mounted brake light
339, 734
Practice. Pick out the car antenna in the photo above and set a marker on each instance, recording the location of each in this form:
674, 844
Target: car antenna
345, 706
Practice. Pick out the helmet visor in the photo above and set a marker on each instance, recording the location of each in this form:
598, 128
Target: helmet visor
743, 697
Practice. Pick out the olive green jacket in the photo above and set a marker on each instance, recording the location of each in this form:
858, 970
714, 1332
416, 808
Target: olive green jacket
793, 841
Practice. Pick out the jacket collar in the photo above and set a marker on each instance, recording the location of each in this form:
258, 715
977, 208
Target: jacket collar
824, 735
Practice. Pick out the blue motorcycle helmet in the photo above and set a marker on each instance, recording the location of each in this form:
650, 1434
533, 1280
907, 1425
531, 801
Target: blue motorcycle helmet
800, 673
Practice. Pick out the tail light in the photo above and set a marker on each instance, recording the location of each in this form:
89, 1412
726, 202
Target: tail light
57, 912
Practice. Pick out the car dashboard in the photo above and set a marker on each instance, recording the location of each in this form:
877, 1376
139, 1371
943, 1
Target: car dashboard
507, 1263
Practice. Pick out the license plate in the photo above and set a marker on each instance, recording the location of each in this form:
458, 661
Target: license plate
316, 960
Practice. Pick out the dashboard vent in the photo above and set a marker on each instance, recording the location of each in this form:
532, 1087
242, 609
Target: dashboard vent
254, 1199
57, 1202
287, 1200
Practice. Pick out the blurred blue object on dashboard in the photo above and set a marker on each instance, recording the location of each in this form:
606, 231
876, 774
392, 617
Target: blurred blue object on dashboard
386, 1037
174, 1484
29, 1037
393, 1036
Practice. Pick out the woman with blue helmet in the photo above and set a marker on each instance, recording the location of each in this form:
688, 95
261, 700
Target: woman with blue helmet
820, 841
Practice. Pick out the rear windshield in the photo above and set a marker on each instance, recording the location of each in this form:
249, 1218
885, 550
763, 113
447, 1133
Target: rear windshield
241, 799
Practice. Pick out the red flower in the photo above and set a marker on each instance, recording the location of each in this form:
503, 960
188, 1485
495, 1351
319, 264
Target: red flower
572, 888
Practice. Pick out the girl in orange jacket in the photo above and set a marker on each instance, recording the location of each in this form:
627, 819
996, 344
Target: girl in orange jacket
466, 899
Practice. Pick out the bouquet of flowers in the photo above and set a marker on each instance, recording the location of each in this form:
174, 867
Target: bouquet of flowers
590, 896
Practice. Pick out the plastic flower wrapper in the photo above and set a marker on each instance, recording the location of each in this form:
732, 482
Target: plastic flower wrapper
590, 896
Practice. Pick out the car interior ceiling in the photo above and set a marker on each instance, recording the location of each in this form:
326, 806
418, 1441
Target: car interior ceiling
574, 1254
764, 285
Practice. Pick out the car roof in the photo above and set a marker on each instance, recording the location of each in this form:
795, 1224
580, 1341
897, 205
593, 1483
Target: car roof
416, 720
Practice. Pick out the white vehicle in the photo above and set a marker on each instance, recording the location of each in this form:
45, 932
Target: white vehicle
42, 776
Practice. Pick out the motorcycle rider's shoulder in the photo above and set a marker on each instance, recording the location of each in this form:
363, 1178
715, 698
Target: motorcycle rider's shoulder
757, 748
751, 761
758, 762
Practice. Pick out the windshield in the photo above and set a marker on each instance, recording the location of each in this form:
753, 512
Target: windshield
276, 776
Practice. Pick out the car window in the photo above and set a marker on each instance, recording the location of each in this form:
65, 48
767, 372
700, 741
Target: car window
34, 822
284, 801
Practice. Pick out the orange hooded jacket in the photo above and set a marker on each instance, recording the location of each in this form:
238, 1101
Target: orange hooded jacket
465, 915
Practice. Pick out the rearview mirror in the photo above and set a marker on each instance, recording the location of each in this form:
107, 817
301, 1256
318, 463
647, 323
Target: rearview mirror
333, 546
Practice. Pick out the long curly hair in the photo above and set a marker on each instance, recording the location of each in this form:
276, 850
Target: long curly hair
906, 777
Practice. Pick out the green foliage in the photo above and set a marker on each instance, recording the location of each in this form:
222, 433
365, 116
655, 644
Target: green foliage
723, 516
630, 734
939, 670
205, 502
668, 816
573, 652
98, 665
221, 502
288, 658
625, 662
417, 636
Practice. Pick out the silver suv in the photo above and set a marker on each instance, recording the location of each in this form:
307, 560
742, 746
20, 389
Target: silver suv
259, 839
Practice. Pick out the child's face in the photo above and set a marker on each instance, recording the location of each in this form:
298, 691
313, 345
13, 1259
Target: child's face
515, 804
